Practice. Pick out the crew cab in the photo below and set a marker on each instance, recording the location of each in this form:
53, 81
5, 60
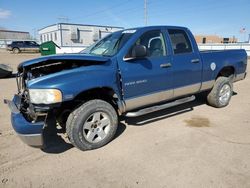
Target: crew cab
130, 73
23, 46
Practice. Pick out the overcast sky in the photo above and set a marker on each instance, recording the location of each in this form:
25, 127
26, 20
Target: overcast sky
222, 17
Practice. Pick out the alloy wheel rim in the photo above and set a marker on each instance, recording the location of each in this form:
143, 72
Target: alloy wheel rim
96, 127
224, 94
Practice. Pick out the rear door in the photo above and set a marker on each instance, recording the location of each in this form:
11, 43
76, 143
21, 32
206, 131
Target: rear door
20, 45
28, 46
187, 65
147, 80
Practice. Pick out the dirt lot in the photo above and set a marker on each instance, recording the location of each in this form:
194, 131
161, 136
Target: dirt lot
189, 146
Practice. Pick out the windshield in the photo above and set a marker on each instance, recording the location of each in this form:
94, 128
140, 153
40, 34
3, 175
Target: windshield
109, 45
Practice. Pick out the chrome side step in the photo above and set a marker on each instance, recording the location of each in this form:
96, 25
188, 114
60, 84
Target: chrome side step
160, 107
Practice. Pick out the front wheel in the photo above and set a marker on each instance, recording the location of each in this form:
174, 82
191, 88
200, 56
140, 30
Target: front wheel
92, 125
16, 50
221, 93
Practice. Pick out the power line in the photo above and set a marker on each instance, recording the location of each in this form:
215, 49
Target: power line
102, 10
132, 10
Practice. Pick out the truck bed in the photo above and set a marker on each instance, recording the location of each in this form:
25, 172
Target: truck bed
237, 59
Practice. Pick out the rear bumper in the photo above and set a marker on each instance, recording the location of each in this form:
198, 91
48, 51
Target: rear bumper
30, 133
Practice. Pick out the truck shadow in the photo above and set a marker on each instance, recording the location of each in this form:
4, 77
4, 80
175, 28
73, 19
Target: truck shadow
169, 112
13, 75
166, 113
56, 143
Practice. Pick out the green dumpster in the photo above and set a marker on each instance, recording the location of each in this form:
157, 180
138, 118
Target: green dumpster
48, 48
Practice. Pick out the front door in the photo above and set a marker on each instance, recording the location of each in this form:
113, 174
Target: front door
147, 80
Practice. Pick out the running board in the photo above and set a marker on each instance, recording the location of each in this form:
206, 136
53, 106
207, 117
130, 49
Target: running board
160, 107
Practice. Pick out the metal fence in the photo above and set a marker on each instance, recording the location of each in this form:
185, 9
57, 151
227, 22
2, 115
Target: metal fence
244, 46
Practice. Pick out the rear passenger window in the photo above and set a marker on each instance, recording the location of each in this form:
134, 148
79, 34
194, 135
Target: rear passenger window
27, 43
19, 43
180, 41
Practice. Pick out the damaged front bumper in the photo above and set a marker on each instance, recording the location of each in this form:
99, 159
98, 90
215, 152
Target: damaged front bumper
30, 133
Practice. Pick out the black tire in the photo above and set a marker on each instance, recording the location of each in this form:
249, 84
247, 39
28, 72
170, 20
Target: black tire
16, 50
213, 97
78, 118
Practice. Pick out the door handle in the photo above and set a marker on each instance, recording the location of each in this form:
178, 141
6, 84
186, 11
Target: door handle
195, 61
166, 65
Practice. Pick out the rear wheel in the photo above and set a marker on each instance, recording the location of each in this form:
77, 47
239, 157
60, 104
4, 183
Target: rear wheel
221, 93
16, 50
92, 125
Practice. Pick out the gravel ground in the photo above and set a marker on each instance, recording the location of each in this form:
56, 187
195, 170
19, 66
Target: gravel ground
192, 145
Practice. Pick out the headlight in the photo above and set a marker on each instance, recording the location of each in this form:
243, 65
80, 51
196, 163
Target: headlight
45, 96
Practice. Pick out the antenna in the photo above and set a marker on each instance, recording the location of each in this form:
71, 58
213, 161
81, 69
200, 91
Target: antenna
63, 19
145, 12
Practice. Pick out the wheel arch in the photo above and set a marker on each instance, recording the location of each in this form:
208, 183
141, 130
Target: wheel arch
15, 47
226, 71
107, 94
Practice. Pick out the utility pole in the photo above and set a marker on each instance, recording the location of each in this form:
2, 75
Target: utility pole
34, 34
145, 13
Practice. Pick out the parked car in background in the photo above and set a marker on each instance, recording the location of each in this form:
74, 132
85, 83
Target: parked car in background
23, 46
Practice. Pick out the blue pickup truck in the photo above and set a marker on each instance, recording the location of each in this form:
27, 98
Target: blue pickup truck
130, 73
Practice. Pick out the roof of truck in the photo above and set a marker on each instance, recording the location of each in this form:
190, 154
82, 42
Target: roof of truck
157, 27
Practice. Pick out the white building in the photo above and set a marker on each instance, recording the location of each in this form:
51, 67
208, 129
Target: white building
74, 37
7, 36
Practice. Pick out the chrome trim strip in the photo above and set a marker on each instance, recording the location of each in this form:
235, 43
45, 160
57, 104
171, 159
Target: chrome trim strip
160, 107
207, 85
190, 89
35, 140
148, 99
162, 96
240, 77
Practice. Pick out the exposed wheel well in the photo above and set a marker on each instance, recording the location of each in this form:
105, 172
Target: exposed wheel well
104, 93
226, 71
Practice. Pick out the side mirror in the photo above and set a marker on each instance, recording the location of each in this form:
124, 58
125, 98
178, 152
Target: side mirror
139, 51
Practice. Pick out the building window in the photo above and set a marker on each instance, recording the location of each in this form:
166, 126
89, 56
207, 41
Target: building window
41, 38
55, 36
47, 37
78, 34
225, 40
204, 40
51, 37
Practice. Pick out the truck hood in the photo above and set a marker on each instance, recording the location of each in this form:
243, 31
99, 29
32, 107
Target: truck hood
52, 58
51, 65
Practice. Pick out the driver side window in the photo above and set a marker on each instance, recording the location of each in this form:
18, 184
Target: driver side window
154, 43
